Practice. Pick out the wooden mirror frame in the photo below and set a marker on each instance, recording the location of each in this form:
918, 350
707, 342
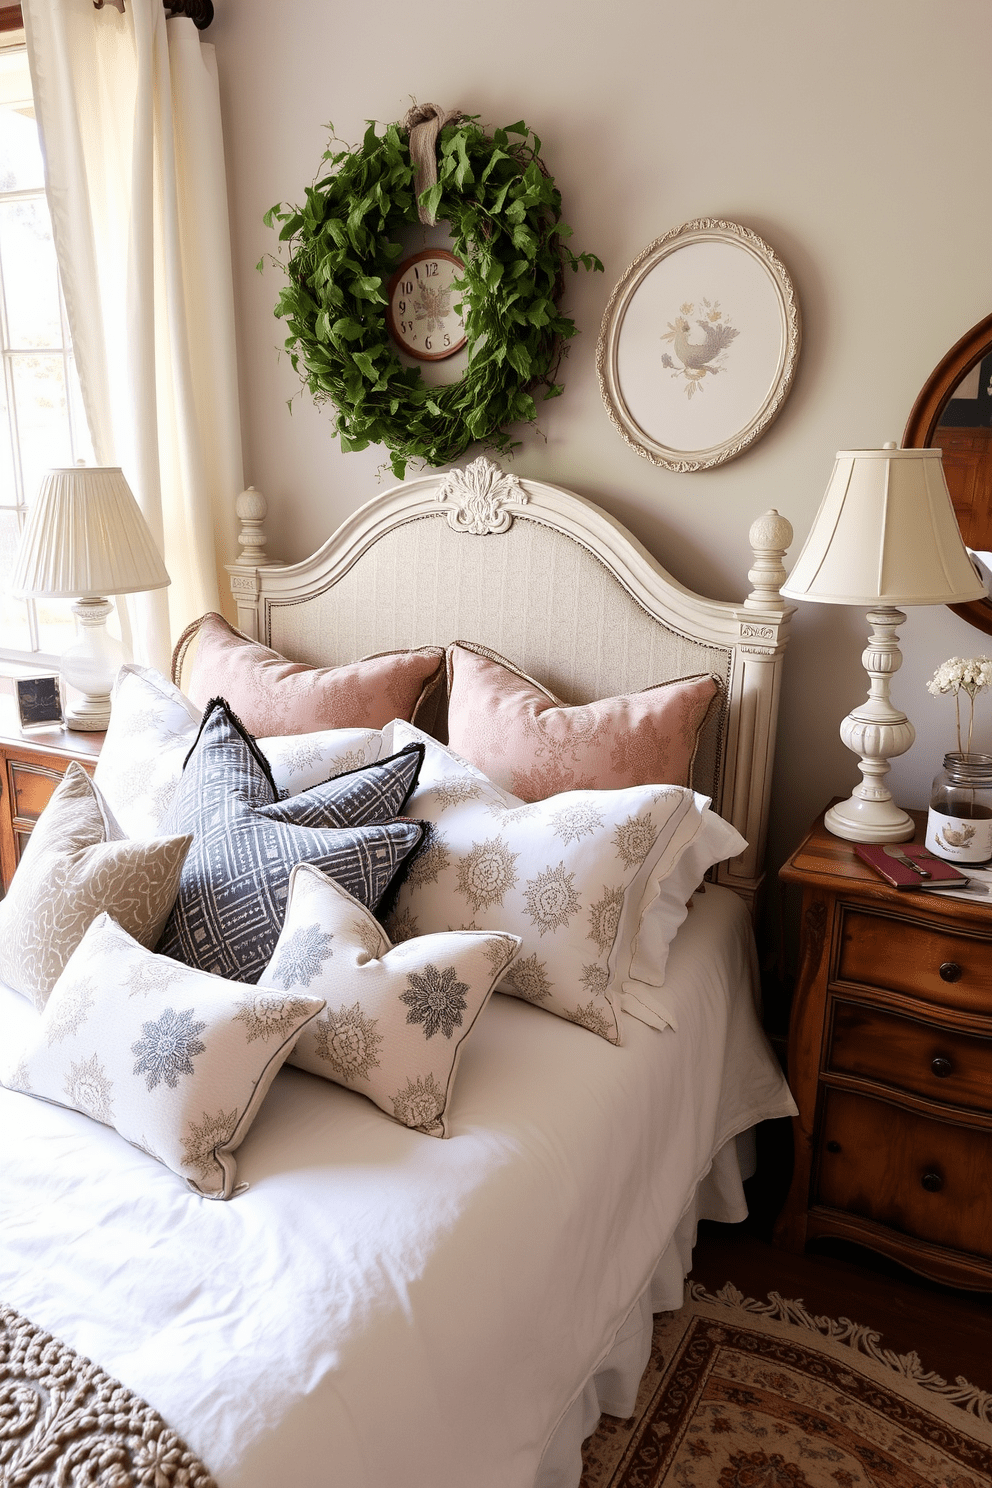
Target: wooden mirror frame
925, 417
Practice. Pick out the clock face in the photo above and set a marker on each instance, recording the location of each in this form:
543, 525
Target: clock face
421, 314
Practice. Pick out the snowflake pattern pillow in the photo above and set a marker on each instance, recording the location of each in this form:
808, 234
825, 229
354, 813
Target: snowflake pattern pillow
154, 726
567, 874
396, 1017
174, 1059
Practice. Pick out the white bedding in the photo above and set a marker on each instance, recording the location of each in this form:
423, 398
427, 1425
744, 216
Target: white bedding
383, 1307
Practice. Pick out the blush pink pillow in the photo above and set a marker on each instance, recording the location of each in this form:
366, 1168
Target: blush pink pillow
519, 734
271, 695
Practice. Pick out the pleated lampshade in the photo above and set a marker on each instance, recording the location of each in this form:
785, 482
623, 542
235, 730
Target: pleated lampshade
885, 534
85, 537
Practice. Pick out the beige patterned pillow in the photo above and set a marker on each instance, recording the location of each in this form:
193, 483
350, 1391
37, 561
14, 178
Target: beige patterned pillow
396, 1016
77, 864
176, 1060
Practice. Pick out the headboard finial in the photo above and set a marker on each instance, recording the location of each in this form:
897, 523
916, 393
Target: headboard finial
252, 509
769, 537
479, 496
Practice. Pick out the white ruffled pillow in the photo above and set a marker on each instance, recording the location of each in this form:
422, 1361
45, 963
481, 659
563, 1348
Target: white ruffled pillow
176, 1060
396, 1017
153, 726
666, 899
572, 875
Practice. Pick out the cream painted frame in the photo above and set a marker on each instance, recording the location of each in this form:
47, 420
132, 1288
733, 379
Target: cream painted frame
556, 585
768, 403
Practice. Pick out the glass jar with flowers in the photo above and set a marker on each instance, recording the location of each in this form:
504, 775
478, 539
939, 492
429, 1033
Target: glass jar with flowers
959, 823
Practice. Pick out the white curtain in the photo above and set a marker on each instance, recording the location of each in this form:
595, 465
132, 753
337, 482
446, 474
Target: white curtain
129, 111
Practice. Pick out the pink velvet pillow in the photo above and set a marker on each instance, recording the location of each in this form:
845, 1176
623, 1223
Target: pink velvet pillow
271, 695
526, 741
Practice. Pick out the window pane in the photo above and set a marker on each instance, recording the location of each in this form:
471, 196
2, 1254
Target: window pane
42, 418
21, 165
13, 612
8, 489
56, 626
30, 274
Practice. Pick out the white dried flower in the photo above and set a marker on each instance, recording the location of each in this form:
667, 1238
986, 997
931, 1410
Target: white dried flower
970, 675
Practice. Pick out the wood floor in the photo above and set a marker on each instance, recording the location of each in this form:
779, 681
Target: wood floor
950, 1330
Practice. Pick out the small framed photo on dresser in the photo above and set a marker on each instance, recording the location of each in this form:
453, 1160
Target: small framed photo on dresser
39, 701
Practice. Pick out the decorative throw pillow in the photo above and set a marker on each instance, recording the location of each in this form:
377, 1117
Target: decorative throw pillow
568, 875
176, 1061
396, 1016
274, 696
232, 892
76, 864
528, 742
153, 727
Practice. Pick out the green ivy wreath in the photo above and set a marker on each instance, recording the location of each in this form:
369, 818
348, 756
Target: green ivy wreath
504, 213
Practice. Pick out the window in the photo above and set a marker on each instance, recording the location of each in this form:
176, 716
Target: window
41, 416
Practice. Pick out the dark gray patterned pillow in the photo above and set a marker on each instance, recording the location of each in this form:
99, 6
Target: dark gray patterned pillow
246, 842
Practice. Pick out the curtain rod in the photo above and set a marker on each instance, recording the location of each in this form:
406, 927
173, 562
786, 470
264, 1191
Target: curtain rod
200, 12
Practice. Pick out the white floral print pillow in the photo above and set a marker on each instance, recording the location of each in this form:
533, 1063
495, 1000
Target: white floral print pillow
568, 874
153, 726
396, 1017
174, 1059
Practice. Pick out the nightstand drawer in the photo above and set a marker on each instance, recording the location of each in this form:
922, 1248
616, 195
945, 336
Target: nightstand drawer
941, 1064
915, 1175
952, 970
31, 788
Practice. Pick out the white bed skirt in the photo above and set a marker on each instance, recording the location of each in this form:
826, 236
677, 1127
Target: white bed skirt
612, 1388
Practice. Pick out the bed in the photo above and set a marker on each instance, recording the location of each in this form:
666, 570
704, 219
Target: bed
378, 1306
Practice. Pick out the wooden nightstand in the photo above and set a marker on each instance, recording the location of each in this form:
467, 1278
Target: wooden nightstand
890, 1062
31, 766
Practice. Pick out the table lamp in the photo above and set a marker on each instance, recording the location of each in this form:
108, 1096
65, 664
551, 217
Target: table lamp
84, 539
885, 535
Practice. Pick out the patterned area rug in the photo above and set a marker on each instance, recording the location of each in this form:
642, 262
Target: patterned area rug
745, 1394
66, 1424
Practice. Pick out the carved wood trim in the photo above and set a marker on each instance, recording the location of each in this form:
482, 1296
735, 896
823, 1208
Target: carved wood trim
478, 499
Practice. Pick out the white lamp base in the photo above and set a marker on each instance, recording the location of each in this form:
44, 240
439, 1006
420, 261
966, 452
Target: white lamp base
869, 821
877, 732
90, 666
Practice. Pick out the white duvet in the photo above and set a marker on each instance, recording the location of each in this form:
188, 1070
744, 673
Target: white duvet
381, 1307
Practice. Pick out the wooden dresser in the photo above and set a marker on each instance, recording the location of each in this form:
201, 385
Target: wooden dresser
890, 1062
31, 766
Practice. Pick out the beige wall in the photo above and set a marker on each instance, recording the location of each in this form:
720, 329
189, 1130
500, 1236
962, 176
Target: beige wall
853, 136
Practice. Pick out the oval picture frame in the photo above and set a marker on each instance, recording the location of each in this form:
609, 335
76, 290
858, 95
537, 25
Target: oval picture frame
699, 345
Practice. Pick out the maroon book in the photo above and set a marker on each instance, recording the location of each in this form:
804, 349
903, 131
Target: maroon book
900, 875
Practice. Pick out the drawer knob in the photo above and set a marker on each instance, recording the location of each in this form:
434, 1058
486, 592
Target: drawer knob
950, 971
932, 1181
833, 1146
941, 1066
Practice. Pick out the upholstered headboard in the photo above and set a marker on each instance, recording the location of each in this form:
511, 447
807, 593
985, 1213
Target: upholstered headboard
556, 586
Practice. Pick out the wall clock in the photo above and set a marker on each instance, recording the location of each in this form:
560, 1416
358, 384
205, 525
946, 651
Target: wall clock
421, 314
